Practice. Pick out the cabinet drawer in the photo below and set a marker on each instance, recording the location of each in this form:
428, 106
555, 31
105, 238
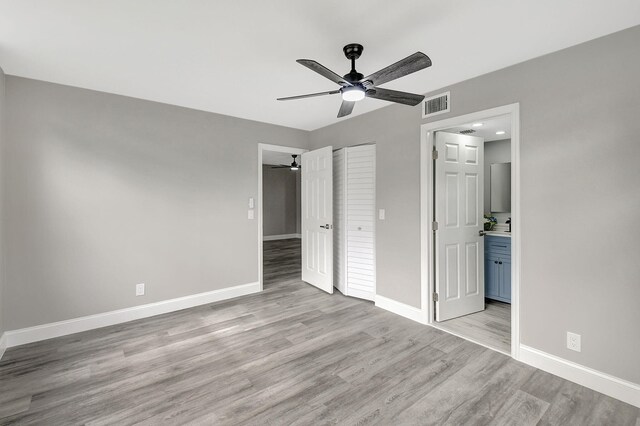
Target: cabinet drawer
498, 245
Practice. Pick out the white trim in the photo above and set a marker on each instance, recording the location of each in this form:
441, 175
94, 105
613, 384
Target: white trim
3, 344
267, 147
76, 325
280, 237
426, 211
609, 385
399, 308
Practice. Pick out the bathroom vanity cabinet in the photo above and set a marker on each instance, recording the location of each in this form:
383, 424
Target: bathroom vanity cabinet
497, 268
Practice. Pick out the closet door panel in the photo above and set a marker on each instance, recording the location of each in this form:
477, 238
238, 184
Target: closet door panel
360, 221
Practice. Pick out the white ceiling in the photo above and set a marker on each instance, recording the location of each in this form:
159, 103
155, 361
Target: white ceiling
488, 129
237, 57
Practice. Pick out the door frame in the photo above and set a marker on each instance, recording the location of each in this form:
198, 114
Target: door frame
427, 275
261, 148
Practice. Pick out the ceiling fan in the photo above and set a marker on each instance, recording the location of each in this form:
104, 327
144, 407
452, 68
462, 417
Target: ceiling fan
354, 86
293, 166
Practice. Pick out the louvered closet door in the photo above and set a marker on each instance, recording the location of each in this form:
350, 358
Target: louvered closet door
360, 193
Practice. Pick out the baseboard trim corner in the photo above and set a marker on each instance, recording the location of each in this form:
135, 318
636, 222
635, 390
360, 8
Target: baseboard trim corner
280, 237
601, 382
399, 308
91, 322
3, 344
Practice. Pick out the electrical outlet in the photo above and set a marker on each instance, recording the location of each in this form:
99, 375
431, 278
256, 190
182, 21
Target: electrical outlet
381, 214
140, 289
573, 341
250, 215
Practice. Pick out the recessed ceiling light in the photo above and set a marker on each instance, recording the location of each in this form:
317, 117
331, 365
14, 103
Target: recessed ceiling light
500, 132
477, 125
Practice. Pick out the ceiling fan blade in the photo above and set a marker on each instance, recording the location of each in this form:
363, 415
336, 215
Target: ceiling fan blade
406, 66
323, 71
346, 108
395, 96
311, 95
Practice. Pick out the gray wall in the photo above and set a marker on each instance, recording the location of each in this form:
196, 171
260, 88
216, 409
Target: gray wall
579, 154
281, 199
105, 191
2, 183
494, 152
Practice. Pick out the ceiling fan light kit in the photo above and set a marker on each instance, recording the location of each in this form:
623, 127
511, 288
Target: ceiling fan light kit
352, 93
354, 86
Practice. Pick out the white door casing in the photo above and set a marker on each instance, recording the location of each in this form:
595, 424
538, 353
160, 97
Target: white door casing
317, 218
459, 201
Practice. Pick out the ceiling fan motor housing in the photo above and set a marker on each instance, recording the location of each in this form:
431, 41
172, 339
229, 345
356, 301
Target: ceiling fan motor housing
352, 52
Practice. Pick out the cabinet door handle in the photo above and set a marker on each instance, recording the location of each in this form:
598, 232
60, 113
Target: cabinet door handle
500, 263
495, 261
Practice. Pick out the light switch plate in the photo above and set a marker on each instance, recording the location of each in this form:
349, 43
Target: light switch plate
140, 289
381, 214
251, 202
250, 214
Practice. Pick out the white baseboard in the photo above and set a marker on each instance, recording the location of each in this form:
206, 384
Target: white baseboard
76, 325
601, 382
280, 237
401, 309
3, 344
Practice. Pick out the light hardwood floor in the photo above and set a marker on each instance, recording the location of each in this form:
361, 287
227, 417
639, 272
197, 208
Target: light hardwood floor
289, 355
491, 327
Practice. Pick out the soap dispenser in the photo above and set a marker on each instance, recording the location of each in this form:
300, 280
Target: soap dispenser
509, 223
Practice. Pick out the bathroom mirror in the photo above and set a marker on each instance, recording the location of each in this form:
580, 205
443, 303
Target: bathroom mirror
501, 188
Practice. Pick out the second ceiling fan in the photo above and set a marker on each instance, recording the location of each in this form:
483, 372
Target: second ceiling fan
354, 86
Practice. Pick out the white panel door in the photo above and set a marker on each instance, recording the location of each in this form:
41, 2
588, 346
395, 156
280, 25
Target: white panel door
459, 200
317, 218
339, 221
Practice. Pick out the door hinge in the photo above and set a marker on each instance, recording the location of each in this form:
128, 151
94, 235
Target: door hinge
434, 226
434, 154
435, 297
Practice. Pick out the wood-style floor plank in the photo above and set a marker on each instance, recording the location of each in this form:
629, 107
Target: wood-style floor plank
491, 327
289, 355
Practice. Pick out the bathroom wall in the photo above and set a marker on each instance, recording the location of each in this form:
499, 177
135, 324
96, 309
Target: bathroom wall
495, 152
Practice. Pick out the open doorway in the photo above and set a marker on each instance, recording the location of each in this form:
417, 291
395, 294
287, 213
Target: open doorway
279, 214
471, 266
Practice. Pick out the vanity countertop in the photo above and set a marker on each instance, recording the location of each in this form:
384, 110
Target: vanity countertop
498, 234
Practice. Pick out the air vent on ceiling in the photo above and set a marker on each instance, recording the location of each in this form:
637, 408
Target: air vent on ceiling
466, 132
434, 105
